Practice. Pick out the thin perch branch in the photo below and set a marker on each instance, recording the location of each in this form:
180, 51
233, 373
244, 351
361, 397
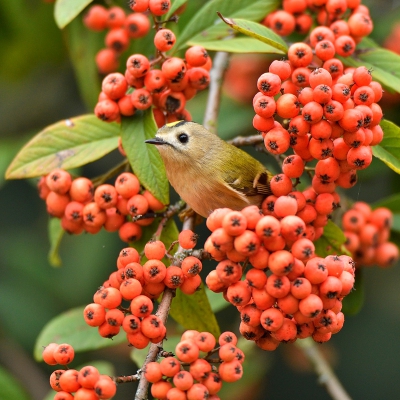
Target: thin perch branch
220, 64
162, 312
210, 122
240, 141
326, 375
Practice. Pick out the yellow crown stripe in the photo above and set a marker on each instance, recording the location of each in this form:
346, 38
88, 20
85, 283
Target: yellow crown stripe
171, 124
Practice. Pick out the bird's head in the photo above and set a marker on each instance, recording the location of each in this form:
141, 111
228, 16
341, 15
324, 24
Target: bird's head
182, 141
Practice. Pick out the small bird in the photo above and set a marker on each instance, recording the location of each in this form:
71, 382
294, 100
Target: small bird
207, 172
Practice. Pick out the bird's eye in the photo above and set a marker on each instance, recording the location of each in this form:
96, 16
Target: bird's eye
183, 137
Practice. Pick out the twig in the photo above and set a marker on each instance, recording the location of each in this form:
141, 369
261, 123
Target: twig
220, 64
240, 141
326, 375
126, 379
167, 215
122, 166
162, 313
210, 122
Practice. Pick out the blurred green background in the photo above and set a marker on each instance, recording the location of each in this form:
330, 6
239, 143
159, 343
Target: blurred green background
37, 88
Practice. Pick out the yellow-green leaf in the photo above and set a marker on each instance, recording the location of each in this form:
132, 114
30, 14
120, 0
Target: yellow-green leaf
331, 242
388, 150
354, 301
144, 158
174, 6
206, 17
257, 31
392, 203
10, 388
237, 45
194, 312
83, 45
56, 233
70, 327
66, 10
66, 144
384, 64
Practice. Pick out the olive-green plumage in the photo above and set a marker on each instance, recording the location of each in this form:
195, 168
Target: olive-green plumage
207, 172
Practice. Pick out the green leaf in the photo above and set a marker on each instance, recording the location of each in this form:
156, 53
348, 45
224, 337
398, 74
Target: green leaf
388, 150
354, 301
66, 10
385, 64
174, 6
207, 16
396, 223
56, 233
237, 45
83, 45
331, 242
10, 388
194, 312
144, 158
66, 144
391, 202
216, 300
70, 327
104, 367
257, 31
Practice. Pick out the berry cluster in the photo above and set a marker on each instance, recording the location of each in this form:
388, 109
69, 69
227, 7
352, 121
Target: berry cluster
82, 207
367, 232
200, 381
140, 285
87, 384
167, 89
343, 22
122, 28
330, 114
288, 292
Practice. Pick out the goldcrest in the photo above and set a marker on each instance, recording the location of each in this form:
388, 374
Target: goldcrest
207, 172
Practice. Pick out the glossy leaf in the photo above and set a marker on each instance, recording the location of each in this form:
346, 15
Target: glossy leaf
70, 327
66, 144
83, 45
56, 233
354, 301
66, 10
237, 45
206, 17
396, 223
388, 150
216, 300
331, 242
385, 64
256, 31
144, 158
174, 6
194, 312
10, 388
391, 202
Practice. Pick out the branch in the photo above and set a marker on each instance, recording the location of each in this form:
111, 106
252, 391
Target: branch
214, 94
162, 312
326, 375
210, 122
240, 141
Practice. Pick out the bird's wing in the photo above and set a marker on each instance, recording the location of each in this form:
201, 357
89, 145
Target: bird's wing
260, 185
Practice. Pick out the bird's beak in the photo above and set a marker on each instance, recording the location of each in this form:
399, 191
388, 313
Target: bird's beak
156, 140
